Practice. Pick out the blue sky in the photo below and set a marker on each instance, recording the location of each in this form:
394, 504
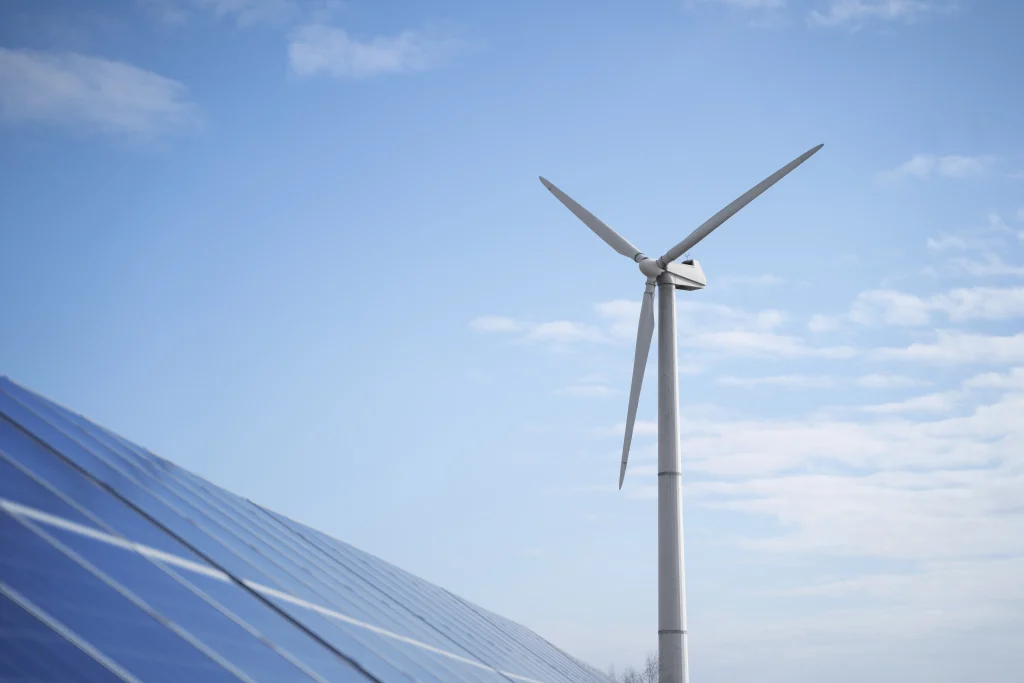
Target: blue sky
300, 248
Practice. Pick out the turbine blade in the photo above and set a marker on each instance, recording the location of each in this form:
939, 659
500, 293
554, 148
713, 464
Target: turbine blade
612, 238
725, 214
644, 333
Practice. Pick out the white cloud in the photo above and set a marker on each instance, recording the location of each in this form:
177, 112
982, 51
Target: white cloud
889, 307
991, 265
757, 450
89, 92
244, 12
793, 381
690, 312
752, 343
768, 320
992, 236
702, 325
941, 402
623, 317
250, 11
317, 48
564, 332
954, 347
699, 315
857, 12
884, 381
640, 428
926, 166
753, 4
555, 333
588, 390
823, 323
941, 495
870, 381
1013, 379
940, 515
946, 242
618, 308
982, 303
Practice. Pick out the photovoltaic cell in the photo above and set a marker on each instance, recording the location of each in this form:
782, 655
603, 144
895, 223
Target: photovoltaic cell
128, 567
34, 651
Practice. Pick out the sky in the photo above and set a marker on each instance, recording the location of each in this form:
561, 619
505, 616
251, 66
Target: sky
300, 248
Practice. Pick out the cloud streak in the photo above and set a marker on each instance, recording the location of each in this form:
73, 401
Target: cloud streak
797, 381
878, 307
856, 13
90, 93
319, 49
926, 166
721, 330
956, 347
245, 13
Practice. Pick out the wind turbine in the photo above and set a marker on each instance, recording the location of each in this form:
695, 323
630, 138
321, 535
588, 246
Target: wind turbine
668, 276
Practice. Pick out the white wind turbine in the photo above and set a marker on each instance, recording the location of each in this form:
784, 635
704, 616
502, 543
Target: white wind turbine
669, 276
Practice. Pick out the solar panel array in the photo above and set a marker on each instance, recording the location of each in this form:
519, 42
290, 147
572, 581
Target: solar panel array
117, 565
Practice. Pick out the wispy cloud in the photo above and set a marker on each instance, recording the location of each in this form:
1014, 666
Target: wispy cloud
720, 330
320, 49
564, 332
880, 440
925, 166
856, 13
890, 307
884, 381
243, 12
623, 315
823, 323
556, 333
762, 344
989, 241
90, 92
953, 347
993, 234
940, 402
251, 11
980, 303
1012, 379
791, 381
797, 381
935, 515
753, 4
990, 265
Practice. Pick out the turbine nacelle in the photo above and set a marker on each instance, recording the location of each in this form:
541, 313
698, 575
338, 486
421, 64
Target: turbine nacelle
687, 275
689, 271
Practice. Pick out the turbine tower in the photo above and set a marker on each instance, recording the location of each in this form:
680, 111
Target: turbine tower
667, 276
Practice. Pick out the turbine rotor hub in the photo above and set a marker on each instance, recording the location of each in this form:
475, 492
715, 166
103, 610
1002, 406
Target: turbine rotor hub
650, 267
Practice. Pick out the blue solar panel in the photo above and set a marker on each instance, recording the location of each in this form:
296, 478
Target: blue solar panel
118, 565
